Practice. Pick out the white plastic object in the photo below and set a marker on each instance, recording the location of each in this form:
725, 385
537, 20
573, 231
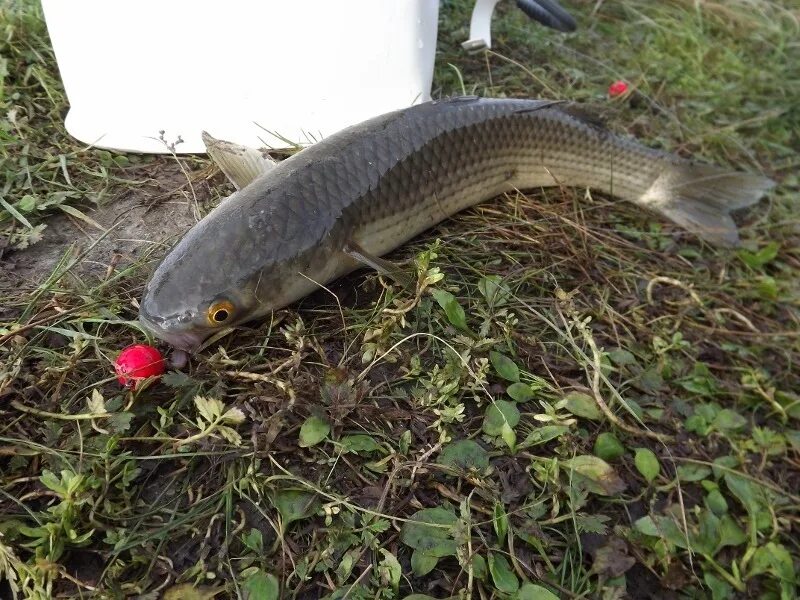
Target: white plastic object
480, 26
242, 69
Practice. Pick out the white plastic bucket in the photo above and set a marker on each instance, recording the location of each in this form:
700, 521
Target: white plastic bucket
240, 69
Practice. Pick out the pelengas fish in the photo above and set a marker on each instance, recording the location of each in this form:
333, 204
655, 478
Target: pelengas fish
366, 190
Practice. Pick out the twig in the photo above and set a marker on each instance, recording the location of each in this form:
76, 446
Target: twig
50, 415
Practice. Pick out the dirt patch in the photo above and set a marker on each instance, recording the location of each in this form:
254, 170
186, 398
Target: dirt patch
143, 219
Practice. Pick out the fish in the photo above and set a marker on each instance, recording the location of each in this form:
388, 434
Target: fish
347, 200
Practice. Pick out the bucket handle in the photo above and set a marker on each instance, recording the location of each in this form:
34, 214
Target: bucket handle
546, 12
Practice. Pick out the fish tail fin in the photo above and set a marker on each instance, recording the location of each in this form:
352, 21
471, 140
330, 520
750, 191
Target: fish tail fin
701, 197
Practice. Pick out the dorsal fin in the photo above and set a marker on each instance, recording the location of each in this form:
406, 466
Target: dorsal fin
586, 113
241, 164
591, 115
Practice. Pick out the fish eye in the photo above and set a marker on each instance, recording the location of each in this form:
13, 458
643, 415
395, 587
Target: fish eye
219, 312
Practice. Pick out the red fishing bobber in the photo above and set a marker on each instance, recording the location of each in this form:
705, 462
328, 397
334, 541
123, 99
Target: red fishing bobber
618, 88
138, 362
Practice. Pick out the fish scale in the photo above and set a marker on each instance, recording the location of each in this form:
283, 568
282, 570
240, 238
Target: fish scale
368, 189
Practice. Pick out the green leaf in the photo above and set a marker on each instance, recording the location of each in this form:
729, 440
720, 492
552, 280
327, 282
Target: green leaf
662, 527
229, 434
768, 288
705, 538
15, 213
730, 534
78, 540
521, 392
261, 586
378, 466
790, 401
693, 472
187, 591
500, 520
599, 475
768, 441
119, 422
581, 405
647, 526
509, 436
313, 431
720, 590
49, 479
773, 558
708, 411
34, 532
722, 465
379, 525
647, 464
608, 447
700, 381
544, 434
498, 414
422, 564
390, 570
531, 591
752, 497
254, 540
654, 413
294, 505
405, 442
727, 421
503, 577
176, 379
591, 523
650, 381
359, 443
493, 290
429, 531
453, 310
621, 357
345, 566
465, 455
418, 596
209, 408
697, 424
716, 503
26, 204
479, 570
756, 260
504, 366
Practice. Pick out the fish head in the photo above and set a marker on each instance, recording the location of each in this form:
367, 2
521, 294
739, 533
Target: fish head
237, 264
200, 288
186, 317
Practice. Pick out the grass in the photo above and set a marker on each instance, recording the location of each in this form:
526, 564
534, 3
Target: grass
590, 403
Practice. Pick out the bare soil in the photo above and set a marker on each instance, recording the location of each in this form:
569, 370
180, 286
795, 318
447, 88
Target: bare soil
144, 219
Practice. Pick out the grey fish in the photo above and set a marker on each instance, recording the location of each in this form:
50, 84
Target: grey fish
364, 191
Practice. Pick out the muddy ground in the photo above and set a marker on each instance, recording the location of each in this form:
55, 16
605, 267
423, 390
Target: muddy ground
137, 221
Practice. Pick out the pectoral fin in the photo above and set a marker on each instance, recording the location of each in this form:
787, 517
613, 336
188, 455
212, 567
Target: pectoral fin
240, 164
381, 265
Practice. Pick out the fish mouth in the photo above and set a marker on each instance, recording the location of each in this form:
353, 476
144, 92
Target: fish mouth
188, 341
